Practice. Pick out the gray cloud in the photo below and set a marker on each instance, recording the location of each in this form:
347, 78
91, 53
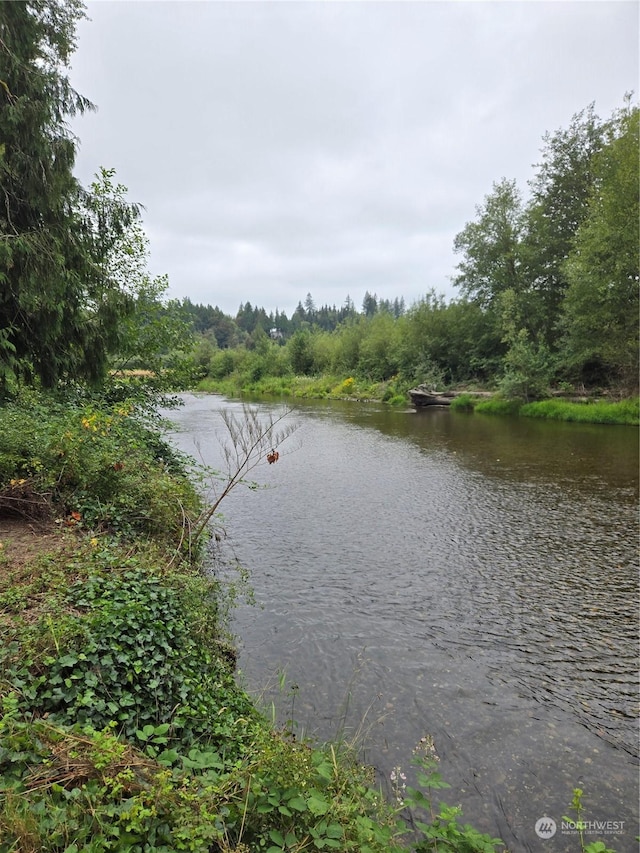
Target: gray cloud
329, 147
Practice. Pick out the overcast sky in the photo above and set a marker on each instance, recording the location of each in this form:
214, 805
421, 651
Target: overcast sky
286, 148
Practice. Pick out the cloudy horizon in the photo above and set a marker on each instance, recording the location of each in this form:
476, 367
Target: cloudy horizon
331, 148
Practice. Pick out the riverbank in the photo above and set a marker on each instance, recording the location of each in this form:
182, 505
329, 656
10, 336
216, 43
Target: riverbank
589, 411
123, 727
597, 408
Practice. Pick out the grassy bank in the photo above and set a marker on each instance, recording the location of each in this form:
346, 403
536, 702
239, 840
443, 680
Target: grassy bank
123, 727
624, 412
394, 393
326, 387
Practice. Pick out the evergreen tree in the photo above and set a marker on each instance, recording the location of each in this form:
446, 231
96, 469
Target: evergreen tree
398, 307
369, 304
310, 308
59, 315
246, 317
349, 308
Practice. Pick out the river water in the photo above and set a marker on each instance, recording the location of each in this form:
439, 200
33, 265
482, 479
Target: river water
470, 577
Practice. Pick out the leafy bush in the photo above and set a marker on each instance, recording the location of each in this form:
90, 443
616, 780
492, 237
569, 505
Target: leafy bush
80, 789
129, 652
99, 465
464, 403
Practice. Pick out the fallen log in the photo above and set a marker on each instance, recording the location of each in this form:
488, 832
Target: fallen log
420, 397
423, 396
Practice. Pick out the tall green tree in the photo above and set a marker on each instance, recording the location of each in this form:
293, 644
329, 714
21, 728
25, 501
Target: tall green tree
310, 307
59, 316
600, 317
369, 304
157, 330
299, 352
491, 247
560, 193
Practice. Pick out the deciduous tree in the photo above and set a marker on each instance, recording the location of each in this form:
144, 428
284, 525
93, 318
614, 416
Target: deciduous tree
491, 246
600, 316
560, 194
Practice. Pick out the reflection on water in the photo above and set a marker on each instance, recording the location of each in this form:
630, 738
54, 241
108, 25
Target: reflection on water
471, 577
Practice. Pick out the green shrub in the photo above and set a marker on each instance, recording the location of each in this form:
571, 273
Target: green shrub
464, 403
133, 649
100, 464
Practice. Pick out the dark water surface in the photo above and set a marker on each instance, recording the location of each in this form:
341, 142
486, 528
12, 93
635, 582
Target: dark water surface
474, 578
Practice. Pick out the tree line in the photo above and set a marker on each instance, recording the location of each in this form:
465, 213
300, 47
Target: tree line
547, 282
548, 289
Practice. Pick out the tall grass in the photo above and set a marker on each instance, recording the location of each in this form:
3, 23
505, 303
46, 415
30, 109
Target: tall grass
624, 412
498, 406
464, 403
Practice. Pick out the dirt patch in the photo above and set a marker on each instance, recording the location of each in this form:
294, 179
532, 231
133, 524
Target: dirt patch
21, 540
33, 570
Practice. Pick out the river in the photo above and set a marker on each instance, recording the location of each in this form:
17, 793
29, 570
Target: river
470, 577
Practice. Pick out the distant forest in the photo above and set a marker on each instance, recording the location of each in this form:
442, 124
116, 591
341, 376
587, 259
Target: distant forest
233, 331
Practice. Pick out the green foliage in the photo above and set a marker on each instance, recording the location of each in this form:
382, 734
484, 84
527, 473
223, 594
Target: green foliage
78, 786
595, 412
97, 462
528, 369
378, 355
464, 403
569, 259
87, 790
498, 406
226, 362
579, 823
560, 192
300, 354
155, 335
59, 315
139, 650
600, 312
491, 246
438, 826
